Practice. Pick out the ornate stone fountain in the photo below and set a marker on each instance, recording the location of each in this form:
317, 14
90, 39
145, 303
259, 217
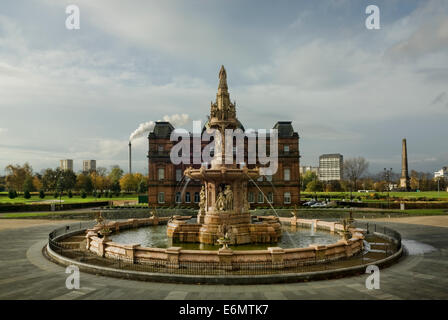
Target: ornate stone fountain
223, 198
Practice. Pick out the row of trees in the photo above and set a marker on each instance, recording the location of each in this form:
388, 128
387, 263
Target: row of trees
357, 177
22, 179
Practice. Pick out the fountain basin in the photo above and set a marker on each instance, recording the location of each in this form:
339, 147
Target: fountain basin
175, 255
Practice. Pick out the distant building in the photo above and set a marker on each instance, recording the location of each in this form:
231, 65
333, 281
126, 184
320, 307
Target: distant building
66, 164
330, 167
305, 169
442, 173
89, 165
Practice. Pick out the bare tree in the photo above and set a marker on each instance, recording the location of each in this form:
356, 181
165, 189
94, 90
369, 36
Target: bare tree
353, 170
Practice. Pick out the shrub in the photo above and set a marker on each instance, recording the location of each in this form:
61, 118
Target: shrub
41, 194
27, 194
83, 194
94, 194
12, 194
56, 194
70, 194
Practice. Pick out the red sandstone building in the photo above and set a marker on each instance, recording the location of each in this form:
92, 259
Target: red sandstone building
169, 188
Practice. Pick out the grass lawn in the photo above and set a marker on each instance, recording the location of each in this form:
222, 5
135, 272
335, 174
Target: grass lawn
405, 195
65, 199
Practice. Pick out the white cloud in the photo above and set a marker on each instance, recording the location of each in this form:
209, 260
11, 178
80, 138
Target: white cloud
64, 93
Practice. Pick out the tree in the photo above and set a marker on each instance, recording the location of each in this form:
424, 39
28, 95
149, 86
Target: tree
28, 184
84, 182
307, 178
354, 169
41, 194
115, 174
333, 186
49, 179
314, 186
37, 182
16, 175
128, 183
27, 194
67, 179
116, 187
12, 194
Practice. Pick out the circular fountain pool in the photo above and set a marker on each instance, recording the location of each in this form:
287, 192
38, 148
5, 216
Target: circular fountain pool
292, 237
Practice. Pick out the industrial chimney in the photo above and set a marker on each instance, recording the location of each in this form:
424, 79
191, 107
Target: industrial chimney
130, 158
404, 180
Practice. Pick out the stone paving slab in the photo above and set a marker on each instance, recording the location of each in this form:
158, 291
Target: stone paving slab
26, 274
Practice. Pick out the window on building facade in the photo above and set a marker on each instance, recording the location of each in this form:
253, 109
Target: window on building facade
178, 200
286, 174
287, 197
160, 148
286, 148
187, 197
196, 197
161, 197
260, 197
260, 178
270, 197
268, 178
178, 174
161, 173
250, 197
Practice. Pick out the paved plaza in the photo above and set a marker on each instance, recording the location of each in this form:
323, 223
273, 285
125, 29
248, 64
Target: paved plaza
26, 274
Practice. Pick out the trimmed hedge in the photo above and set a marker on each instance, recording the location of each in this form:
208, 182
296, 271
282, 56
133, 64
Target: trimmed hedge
47, 207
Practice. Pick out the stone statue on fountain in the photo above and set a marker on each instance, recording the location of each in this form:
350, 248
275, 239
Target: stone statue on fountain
221, 201
228, 193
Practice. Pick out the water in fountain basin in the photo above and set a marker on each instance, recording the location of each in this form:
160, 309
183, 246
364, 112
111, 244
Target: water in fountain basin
155, 236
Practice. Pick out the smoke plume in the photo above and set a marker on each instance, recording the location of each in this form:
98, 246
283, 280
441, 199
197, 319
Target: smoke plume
175, 119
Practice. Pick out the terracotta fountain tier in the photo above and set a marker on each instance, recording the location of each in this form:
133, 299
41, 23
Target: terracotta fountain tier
223, 208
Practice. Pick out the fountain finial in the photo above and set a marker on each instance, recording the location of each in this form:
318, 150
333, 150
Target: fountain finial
222, 78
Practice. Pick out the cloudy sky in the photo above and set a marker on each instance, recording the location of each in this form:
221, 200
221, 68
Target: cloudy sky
79, 94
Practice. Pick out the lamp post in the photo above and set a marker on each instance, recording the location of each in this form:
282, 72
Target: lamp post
387, 174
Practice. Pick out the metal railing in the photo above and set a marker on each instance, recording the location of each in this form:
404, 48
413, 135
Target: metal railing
386, 249
371, 228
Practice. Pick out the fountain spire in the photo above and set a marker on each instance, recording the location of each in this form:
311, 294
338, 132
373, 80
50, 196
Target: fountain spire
222, 112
